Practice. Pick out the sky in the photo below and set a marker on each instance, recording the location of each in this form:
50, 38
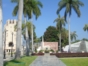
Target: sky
49, 15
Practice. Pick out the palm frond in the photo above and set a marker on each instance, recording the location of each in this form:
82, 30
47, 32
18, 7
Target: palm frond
80, 3
61, 6
73, 35
36, 12
60, 22
65, 16
15, 11
14, 1
76, 9
39, 4
68, 8
30, 7
85, 27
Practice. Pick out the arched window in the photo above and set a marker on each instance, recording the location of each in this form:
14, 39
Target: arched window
11, 44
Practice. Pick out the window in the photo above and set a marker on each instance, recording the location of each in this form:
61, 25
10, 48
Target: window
10, 44
13, 21
10, 22
7, 50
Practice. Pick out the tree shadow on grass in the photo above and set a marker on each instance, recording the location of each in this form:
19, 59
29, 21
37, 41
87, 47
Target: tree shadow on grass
12, 61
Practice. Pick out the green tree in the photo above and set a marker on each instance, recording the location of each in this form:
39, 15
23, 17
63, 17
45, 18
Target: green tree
69, 4
35, 6
30, 7
25, 13
76, 41
19, 23
85, 39
28, 24
60, 22
73, 36
50, 35
85, 27
1, 46
64, 37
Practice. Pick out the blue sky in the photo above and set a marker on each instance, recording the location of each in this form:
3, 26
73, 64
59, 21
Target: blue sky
49, 15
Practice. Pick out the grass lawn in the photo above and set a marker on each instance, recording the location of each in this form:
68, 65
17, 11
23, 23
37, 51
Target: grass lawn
75, 61
25, 61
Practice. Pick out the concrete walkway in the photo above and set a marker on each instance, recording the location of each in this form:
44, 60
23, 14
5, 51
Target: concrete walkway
47, 60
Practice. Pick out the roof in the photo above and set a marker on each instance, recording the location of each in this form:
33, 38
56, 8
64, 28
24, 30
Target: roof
77, 47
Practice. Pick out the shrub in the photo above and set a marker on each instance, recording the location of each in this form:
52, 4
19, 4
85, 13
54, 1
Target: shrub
72, 54
56, 51
51, 50
46, 50
41, 51
35, 50
37, 54
52, 53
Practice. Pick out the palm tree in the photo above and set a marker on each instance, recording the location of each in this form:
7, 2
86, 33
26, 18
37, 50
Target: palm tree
73, 35
1, 46
30, 7
19, 23
69, 4
85, 27
64, 36
28, 25
59, 25
25, 11
35, 6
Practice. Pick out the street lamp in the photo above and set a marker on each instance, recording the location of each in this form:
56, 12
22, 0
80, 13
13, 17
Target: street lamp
32, 36
12, 46
5, 45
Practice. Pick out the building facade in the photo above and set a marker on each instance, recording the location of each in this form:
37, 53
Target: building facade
51, 45
9, 36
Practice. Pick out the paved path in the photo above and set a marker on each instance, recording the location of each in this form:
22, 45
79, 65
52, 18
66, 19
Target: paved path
47, 60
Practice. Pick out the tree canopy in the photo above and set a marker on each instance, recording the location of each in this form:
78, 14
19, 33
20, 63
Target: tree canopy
50, 35
29, 7
85, 27
69, 5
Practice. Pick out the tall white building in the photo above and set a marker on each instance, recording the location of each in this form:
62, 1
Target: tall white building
9, 36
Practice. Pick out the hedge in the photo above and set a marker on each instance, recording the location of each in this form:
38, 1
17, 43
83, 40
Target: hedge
70, 54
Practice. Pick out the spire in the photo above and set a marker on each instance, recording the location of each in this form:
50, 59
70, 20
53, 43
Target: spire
42, 42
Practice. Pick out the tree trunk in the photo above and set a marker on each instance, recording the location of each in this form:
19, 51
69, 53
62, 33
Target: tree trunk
1, 43
69, 35
60, 41
5, 42
32, 32
32, 36
42, 43
27, 40
18, 38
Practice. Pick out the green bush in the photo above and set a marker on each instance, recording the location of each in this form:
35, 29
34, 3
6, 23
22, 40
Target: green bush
35, 50
46, 50
41, 51
51, 50
56, 51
